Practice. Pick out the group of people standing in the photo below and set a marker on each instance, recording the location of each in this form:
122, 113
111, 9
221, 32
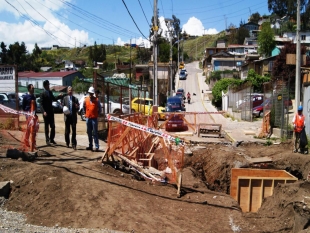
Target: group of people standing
92, 109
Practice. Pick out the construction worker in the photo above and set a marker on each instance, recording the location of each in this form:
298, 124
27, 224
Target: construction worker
92, 109
299, 124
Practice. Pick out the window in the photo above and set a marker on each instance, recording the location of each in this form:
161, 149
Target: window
303, 37
270, 65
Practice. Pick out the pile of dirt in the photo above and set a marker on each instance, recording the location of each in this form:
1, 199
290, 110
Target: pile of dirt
73, 188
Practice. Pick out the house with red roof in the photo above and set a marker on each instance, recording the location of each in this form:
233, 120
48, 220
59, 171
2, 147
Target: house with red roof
57, 79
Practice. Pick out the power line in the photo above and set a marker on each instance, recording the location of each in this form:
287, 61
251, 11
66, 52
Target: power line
162, 8
50, 21
112, 27
33, 21
143, 12
75, 22
134, 20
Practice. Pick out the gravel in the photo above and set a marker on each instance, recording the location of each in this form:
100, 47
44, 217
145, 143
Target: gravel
12, 222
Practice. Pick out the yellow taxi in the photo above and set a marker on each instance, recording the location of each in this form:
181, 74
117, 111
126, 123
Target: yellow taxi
145, 105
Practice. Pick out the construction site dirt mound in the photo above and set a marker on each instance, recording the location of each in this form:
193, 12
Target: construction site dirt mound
74, 189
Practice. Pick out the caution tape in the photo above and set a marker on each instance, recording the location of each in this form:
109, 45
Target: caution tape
190, 113
142, 128
13, 111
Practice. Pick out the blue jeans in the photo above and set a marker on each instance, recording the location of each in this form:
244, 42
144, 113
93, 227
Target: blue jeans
92, 130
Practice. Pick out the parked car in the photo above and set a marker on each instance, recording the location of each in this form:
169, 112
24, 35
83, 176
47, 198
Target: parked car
6, 101
175, 122
181, 90
182, 75
57, 106
143, 105
38, 104
114, 107
184, 70
256, 99
182, 97
267, 104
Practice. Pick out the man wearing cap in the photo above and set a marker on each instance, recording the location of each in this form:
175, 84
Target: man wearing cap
298, 123
70, 109
47, 99
92, 109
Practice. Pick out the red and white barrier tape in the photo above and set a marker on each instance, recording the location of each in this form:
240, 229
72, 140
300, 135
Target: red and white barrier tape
13, 111
142, 128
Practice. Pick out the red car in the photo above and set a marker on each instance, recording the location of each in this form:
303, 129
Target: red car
175, 122
258, 111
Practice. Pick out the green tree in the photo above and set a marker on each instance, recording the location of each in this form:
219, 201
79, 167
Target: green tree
266, 41
79, 86
222, 85
3, 53
256, 80
241, 34
254, 18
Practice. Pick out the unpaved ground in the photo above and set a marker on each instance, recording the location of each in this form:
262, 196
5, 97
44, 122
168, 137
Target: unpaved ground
71, 188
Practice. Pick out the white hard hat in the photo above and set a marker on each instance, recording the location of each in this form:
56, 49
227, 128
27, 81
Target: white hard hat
91, 90
66, 110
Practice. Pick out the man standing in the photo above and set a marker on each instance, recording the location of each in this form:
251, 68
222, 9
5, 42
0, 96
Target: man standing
70, 117
298, 123
92, 109
27, 100
47, 99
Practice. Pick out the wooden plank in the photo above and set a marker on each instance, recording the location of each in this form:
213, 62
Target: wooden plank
244, 194
267, 188
256, 198
116, 144
265, 159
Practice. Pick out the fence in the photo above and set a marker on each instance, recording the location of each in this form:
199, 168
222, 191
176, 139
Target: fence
278, 103
240, 100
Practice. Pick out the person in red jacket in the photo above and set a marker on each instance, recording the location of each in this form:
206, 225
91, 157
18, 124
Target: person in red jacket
298, 123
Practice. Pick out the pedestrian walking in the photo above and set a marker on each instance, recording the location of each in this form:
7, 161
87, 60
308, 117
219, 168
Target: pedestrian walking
92, 109
70, 109
47, 99
26, 106
299, 124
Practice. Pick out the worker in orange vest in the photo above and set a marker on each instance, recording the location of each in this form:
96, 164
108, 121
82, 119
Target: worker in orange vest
92, 109
299, 124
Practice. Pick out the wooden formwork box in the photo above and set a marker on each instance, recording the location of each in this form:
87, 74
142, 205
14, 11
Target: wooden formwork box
250, 186
209, 129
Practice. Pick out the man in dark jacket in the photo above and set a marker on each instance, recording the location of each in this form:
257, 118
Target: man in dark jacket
71, 107
47, 99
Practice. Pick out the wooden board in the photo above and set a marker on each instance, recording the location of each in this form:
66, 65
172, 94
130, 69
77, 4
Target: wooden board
250, 186
260, 160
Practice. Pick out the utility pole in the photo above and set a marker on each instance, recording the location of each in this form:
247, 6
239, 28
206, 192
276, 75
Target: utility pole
169, 26
178, 51
298, 54
130, 64
155, 29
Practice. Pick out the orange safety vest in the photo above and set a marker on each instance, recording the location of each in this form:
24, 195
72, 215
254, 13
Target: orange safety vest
91, 108
299, 123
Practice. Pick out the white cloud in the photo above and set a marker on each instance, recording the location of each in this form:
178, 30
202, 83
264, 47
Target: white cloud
51, 31
195, 27
137, 41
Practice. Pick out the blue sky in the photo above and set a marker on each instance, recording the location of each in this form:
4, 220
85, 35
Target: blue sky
74, 23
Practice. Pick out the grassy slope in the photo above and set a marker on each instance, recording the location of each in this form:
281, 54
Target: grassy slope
123, 53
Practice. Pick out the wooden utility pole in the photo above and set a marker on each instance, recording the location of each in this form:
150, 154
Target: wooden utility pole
298, 54
155, 55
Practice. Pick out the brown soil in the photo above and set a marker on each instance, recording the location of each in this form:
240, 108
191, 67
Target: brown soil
71, 188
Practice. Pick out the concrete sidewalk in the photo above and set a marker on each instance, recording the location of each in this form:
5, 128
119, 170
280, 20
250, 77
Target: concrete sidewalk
235, 130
